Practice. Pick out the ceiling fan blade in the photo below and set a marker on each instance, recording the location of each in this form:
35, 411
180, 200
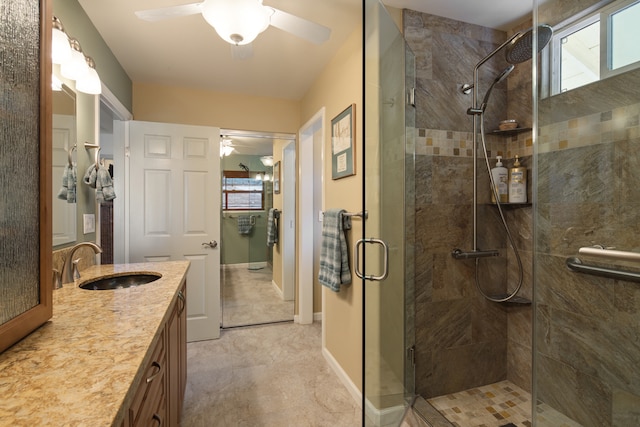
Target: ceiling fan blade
240, 52
315, 33
153, 15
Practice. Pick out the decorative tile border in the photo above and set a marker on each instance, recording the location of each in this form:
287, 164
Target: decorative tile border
447, 143
618, 124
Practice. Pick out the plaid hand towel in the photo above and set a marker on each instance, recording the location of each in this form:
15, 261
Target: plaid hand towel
334, 254
244, 224
272, 228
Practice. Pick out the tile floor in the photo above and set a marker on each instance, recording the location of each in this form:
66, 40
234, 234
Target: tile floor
492, 405
265, 376
496, 405
248, 297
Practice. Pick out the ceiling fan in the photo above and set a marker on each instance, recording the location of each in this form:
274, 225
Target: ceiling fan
239, 22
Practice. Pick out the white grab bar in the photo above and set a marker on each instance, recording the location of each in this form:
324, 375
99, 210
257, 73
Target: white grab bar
602, 252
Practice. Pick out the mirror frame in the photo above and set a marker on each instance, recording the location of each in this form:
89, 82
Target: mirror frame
25, 323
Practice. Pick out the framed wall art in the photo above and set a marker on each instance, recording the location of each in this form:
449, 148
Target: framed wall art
276, 177
343, 143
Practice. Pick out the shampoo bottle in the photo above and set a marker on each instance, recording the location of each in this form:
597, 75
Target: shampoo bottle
500, 175
517, 183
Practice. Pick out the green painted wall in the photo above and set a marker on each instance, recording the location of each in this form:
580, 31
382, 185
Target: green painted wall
251, 248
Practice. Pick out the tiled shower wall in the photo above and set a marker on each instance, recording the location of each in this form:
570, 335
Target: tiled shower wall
463, 340
588, 327
588, 351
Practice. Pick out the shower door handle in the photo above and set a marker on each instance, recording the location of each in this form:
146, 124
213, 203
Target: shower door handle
385, 259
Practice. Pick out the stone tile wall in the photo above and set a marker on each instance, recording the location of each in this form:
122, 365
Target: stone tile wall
587, 348
587, 345
463, 340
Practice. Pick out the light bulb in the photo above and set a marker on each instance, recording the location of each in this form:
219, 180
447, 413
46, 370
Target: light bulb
90, 81
60, 47
76, 66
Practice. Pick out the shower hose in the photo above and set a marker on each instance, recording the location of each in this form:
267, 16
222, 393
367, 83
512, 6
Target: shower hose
508, 296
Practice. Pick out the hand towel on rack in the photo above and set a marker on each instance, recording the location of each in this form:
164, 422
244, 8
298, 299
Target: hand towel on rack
244, 224
104, 186
272, 228
90, 176
68, 190
334, 253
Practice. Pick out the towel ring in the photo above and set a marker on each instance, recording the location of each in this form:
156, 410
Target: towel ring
69, 154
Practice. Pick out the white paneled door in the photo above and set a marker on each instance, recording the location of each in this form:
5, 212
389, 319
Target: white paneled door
174, 211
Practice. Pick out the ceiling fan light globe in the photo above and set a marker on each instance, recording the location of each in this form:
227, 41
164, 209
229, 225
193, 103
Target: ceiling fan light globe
237, 21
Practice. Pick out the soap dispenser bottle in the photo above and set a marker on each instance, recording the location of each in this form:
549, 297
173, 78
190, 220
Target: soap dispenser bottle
500, 175
517, 183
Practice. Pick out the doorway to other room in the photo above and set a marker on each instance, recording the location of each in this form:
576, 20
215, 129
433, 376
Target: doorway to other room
254, 290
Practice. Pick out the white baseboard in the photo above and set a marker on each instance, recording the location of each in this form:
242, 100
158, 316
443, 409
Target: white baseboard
245, 265
317, 317
277, 289
384, 417
353, 390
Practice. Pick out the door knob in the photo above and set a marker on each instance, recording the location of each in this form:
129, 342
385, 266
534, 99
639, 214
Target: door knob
212, 244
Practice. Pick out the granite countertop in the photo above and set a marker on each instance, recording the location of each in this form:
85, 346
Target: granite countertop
79, 367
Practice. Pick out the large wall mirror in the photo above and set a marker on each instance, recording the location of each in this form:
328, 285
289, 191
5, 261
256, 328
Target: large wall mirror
64, 164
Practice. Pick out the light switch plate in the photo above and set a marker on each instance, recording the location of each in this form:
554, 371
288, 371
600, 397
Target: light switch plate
89, 221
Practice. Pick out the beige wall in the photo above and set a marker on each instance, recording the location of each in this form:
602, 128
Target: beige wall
171, 104
339, 86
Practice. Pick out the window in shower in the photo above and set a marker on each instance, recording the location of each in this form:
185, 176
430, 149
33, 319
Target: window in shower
597, 46
242, 192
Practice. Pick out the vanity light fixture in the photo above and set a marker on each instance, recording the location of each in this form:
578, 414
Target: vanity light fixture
90, 81
77, 66
60, 48
267, 160
74, 65
237, 21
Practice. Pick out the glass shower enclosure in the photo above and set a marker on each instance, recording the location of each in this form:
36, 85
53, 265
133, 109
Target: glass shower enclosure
587, 232
389, 201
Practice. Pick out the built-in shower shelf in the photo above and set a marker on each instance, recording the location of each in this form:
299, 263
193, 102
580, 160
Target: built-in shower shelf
509, 131
511, 205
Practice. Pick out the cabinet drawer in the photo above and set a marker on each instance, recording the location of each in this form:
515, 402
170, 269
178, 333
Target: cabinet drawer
151, 391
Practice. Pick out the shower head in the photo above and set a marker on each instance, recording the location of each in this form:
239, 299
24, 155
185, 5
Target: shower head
520, 47
503, 75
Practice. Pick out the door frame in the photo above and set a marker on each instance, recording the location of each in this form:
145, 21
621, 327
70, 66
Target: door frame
306, 215
288, 225
121, 162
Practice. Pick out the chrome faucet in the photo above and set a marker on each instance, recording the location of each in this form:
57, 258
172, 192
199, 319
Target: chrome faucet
70, 270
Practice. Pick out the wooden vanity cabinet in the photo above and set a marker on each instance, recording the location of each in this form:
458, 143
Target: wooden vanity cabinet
149, 406
159, 397
177, 356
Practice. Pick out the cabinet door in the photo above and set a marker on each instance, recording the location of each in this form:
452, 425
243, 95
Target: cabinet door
177, 357
25, 131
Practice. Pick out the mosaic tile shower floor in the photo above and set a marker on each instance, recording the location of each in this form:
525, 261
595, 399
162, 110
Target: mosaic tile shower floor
492, 405
502, 404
